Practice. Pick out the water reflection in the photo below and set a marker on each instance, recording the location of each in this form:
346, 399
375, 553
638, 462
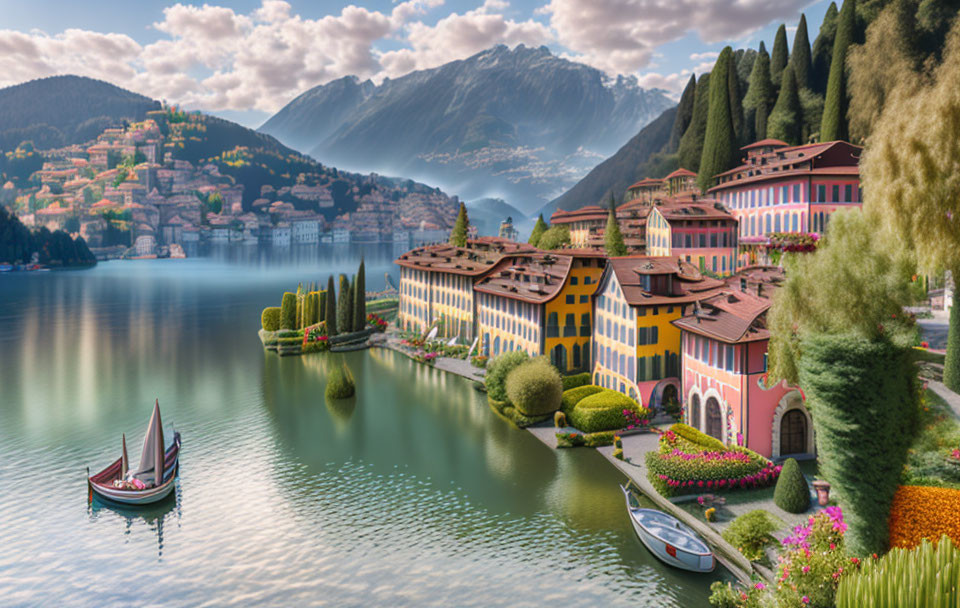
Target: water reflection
153, 516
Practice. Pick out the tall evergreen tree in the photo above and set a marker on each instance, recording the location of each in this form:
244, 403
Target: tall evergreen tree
538, 229
800, 58
691, 144
360, 298
458, 235
612, 237
684, 113
345, 305
823, 48
786, 120
780, 55
834, 123
330, 316
720, 142
758, 102
736, 103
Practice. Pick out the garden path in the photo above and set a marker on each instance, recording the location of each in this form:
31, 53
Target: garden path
952, 399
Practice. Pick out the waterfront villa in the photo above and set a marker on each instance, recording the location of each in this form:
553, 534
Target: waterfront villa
701, 231
636, 349
724, 368
540, 303
436, 283
646, 190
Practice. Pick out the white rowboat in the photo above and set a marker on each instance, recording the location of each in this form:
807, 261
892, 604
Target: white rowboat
669, 540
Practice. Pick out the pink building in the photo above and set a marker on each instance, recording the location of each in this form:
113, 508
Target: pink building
724, 365
701, 231
781, 188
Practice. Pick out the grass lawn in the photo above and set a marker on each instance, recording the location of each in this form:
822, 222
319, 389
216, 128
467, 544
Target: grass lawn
927, 463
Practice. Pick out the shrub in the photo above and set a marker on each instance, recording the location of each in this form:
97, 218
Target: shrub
710, 514
498, 369
751, 533
575, 395
695, 436
862, 449
576, 380
590, 440
618, 453
288, 311
559, 420
479, 361
792, 494
603, 411
340, 384
270, 318
722, 595
917, 578
535, 388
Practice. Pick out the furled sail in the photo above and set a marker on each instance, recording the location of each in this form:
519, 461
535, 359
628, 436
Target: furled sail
150, 469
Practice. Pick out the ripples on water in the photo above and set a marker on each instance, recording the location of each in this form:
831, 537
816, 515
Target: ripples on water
412, 494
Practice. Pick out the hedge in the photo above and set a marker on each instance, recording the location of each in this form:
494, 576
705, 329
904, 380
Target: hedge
575, 395
603, 411
792, 494
288, 311
576, 380
497, 370
698, 437
534, 388
512, 414
590, 440
270, 318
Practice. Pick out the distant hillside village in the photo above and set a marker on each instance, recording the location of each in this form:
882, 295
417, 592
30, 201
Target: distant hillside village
678, 314
135, 192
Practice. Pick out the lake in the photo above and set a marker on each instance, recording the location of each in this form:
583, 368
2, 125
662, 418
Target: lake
415, 493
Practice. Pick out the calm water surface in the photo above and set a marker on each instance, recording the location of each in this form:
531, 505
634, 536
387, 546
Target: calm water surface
413, 494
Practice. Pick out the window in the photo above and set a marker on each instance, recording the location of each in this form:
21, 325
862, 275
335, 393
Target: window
641, 369
848, 193
553, 325
836, 193
585, 325
571, 299
656, 310
573, 280
569, 326
729, 363
642, 336
584, 299
653, 335
822, 193
796, 193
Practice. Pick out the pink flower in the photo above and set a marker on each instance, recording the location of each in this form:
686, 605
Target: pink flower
805, 569
805, 599
760, 586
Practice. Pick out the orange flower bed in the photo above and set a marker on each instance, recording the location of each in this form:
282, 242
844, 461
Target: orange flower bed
920, 512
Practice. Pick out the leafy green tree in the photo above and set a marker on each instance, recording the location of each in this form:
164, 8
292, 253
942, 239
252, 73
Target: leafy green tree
780, 55
555, 237
458, 235
330, 316
538, 229
360, 298
684, 113
720, 142
612, 237
909, 174
786, 120
823, 48
759, 100
345, 305
834, 123
800, 58
691, 144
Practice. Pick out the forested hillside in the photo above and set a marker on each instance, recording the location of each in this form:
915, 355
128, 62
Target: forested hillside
18, 244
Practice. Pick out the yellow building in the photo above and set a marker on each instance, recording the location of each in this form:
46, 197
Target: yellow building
586, 225
540, 303
436, 284
636, 348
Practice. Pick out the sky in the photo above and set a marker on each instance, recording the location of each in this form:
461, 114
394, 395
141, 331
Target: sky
245, 60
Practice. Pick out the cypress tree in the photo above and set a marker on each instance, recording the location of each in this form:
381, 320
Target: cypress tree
458, 236
322, 307
330, 316
800, 58
834, 123
360, 298
758, 102
780, 55
345, 306
691, 144
823, 48
612, 237
736, 103
684, 113
786, 120
719, 143
538, 229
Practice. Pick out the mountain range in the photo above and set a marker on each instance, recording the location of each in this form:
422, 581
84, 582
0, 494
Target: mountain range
518, 124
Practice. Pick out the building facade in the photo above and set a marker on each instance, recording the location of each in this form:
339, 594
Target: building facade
702, 232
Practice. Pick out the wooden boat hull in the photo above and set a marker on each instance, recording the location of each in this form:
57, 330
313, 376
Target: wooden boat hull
102, 483
670, 553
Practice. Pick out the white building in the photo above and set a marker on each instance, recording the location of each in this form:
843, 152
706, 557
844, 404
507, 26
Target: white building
280, 236
305, 231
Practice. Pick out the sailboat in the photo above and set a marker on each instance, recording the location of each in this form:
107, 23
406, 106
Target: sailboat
152, 480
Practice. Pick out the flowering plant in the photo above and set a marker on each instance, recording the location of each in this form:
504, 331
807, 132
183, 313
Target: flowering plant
792, 241
814, 561
955, 455
377, 322
634, 421
710, 514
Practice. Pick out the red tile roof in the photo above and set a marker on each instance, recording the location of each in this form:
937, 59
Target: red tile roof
828, 158
647, 181
478, 257
729, 316
536, 278
681, 172
696, 211
688, 285
765, 143
588, 213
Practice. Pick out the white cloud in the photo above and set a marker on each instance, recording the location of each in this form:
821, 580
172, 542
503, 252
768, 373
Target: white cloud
619, 36
704, 55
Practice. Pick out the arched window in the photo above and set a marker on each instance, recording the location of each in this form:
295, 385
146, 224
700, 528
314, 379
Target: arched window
776, 223
496, 346
695, 412
793, 433
576, 356
558, 356
714, 423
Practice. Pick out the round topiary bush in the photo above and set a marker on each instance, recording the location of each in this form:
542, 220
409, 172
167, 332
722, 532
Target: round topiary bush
603, 411
288, 311
270, 318
497, 370
535, 388
576, 380
340, 384
792, 494
573, 396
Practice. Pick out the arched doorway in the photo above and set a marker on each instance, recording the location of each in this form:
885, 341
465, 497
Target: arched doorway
558, 356
670, 400
793, 433
695, 412
714, 419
